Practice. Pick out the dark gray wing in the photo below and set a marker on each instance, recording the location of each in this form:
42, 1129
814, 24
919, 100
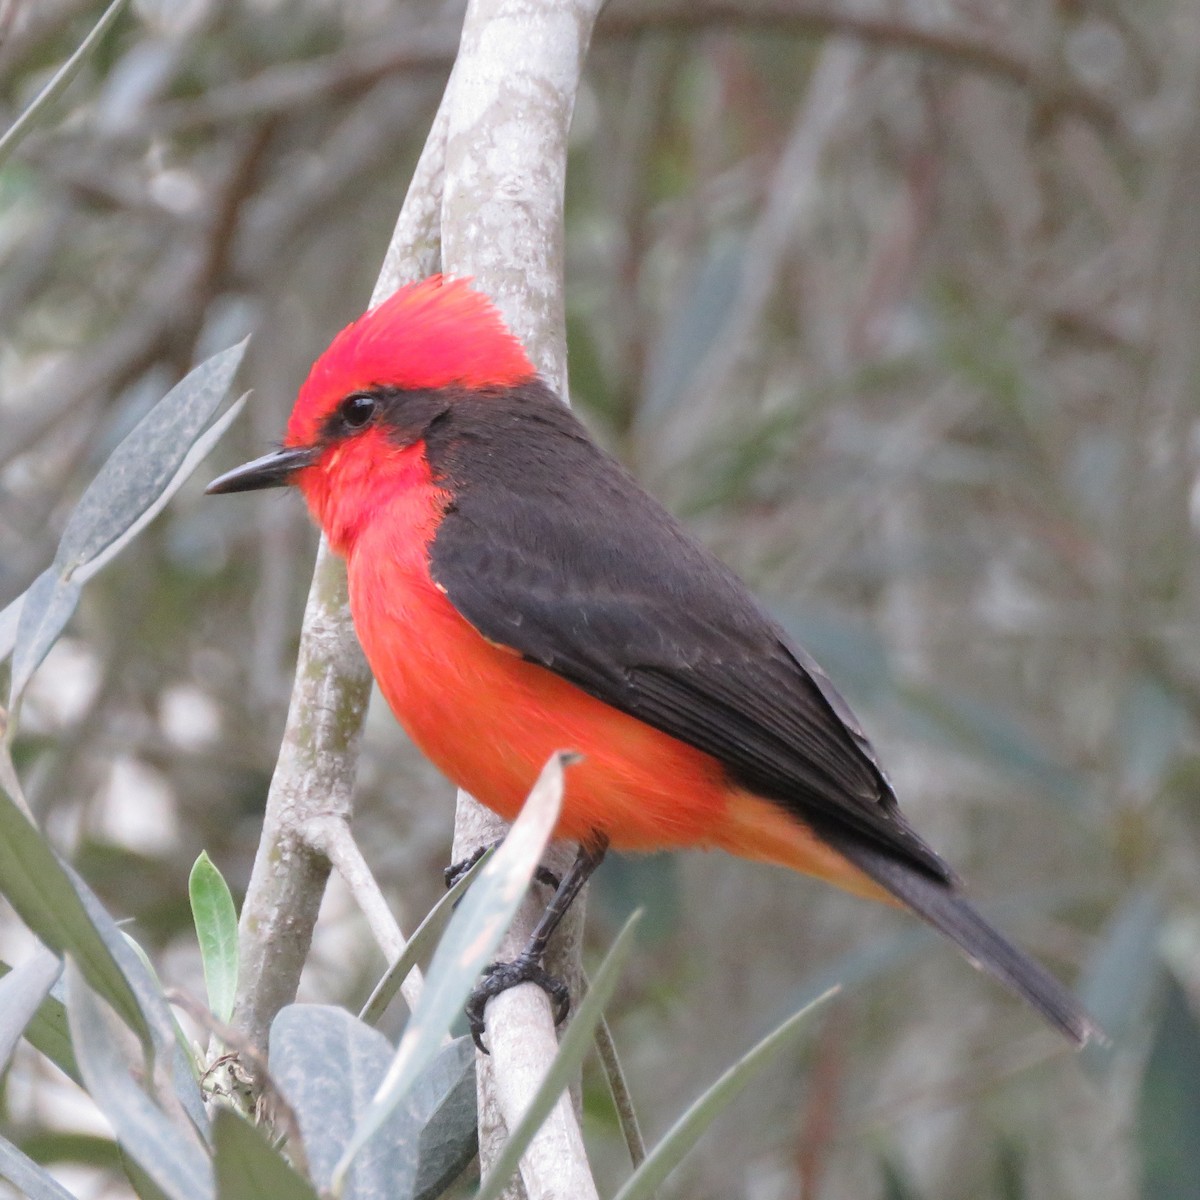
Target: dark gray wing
552, 549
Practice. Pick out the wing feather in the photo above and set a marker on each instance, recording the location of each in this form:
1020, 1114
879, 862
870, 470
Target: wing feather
551, 548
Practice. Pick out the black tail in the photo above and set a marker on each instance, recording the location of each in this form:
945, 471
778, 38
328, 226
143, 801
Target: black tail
946, 909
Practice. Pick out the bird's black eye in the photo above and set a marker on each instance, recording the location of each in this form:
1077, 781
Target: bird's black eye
357, 410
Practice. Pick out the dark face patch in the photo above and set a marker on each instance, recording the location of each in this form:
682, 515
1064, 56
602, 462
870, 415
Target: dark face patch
405, 415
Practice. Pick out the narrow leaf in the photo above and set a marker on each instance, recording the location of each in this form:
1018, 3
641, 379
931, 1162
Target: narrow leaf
22, 991
248, 1167
47, 1032
46, 898
421, 942
1122, 975
9, 619
442, 1104
59, 82
687, 1131
64, 914
472, 937
196, 454
172, 1158
30, 1180
215, 917
144, 1187
185, 1078
575, 1044
1168, 1118
129, 490
47, 606
146, 460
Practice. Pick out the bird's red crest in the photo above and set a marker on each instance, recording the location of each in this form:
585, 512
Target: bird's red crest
426, 335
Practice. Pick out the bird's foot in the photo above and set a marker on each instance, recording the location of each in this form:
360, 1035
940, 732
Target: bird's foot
501, 976
455, 871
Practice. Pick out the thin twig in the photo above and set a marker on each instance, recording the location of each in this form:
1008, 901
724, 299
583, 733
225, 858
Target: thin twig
622, 1098
959, 47
267, 1102
348, 72
331, 836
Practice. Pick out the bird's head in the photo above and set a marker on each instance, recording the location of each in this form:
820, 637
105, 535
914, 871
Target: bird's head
356, 431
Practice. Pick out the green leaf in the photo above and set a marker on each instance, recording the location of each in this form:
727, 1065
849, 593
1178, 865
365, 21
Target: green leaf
46, 607
215, 917
328, 1066
443, 1107
10, 618
47, 1144
59, 82
421, 942
472, 937
168, 1153
248, 1167
32, 1181
686, 1132
133, 486
575, 1044
197, 452
1168, 1119
47, 1033
49, 899
185, 1074
146, 460
144, 1187
22, 992
1121, 976
65, 915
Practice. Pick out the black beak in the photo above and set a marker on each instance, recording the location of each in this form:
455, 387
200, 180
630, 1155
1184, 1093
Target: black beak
272, 470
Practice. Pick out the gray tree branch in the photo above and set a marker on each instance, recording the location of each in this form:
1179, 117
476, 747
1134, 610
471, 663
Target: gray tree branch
499, 143
516, 79
314, 776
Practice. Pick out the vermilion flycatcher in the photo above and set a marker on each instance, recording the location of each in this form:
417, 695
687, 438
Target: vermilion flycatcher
517, 593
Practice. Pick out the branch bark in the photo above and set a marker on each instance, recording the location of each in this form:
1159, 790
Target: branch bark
318, 760
516, 79
499, 143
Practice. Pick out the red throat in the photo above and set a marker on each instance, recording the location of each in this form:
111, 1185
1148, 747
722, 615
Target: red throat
349, 488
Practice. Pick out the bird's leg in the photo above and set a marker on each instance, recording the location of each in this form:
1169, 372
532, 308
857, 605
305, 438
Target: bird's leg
527, 966
455, 871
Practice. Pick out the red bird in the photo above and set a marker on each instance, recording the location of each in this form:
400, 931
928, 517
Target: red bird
517, 593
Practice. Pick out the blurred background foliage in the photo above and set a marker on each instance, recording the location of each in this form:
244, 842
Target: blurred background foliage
897, 305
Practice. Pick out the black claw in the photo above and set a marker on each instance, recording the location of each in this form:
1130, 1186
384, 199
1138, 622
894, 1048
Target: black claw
499, 977
547, 878
527, 966
455, 871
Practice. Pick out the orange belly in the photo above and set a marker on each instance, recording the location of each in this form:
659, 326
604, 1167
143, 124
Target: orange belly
489, 720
